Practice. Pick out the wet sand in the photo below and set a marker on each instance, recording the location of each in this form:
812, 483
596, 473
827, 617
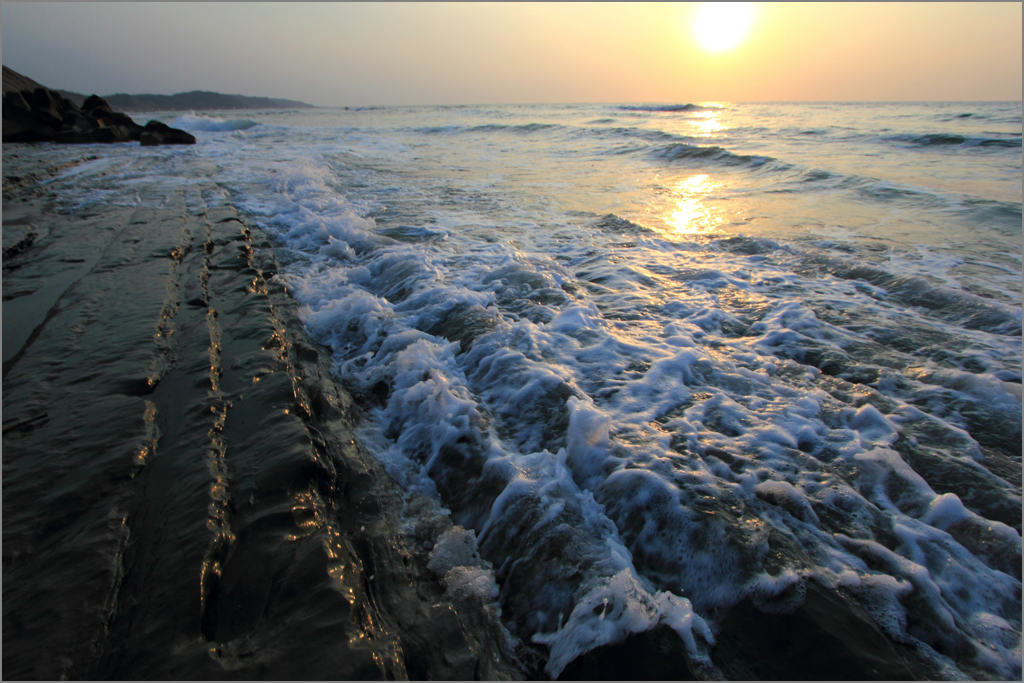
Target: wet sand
183, 494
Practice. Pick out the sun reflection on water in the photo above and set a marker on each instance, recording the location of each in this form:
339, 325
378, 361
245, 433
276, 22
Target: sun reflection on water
706, 122
692, 215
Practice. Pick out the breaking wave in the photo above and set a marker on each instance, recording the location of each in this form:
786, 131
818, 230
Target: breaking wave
669, 107
200, 123
955, 140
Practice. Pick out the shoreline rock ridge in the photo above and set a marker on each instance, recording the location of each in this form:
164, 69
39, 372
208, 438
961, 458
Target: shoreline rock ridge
35, 113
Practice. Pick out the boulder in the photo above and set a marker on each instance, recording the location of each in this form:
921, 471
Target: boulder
33, 114
48, 107
96, 106
156, 133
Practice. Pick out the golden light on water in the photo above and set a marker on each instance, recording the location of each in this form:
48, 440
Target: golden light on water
721, 26
706, 122
692, 215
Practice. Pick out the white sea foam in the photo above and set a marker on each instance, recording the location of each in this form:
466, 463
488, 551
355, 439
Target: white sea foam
617, 608
194, 123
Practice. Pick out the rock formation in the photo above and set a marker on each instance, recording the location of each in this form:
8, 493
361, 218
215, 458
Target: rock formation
35, 113
156, 133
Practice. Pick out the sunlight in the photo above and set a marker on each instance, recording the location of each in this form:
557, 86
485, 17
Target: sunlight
706, 122
721, 26
691, 215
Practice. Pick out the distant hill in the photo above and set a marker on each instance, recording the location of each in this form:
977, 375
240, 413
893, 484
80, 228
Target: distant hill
194, 99
198, 99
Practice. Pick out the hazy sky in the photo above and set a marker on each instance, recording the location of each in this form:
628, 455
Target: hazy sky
438, 53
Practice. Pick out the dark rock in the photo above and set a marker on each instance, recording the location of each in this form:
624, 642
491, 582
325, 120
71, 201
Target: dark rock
93, 135
47, 107
30, 111
19, 124
654, 655
99, 112
76, 120
96, 106
156, 133
34, 113
823, 638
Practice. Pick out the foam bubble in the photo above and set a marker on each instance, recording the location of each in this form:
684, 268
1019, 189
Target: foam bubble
945, 510
455, 547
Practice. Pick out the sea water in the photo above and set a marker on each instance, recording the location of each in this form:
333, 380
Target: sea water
657, 361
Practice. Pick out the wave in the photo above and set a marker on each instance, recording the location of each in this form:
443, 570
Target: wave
485, 128
679, 151
612, 223
637, 133
668, 107
795, 178
964, 309
439, 130
998, 215
518, 128
976, 116
817, 175
195, 122
1005, 215
954, 140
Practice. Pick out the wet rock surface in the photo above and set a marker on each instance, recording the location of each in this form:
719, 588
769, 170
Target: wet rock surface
184, 497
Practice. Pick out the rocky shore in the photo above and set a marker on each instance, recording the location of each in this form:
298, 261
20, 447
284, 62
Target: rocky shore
35, 113
184, 496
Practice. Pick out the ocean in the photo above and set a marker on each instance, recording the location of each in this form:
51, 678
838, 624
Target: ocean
740, 379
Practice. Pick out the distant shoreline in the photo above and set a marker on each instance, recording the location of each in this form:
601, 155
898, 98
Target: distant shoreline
191, 100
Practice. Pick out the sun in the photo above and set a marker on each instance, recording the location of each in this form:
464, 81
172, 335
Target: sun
721, 26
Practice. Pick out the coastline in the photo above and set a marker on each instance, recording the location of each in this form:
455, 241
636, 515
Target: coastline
165, 411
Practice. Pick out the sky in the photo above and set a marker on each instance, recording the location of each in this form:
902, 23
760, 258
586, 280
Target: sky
338, 54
